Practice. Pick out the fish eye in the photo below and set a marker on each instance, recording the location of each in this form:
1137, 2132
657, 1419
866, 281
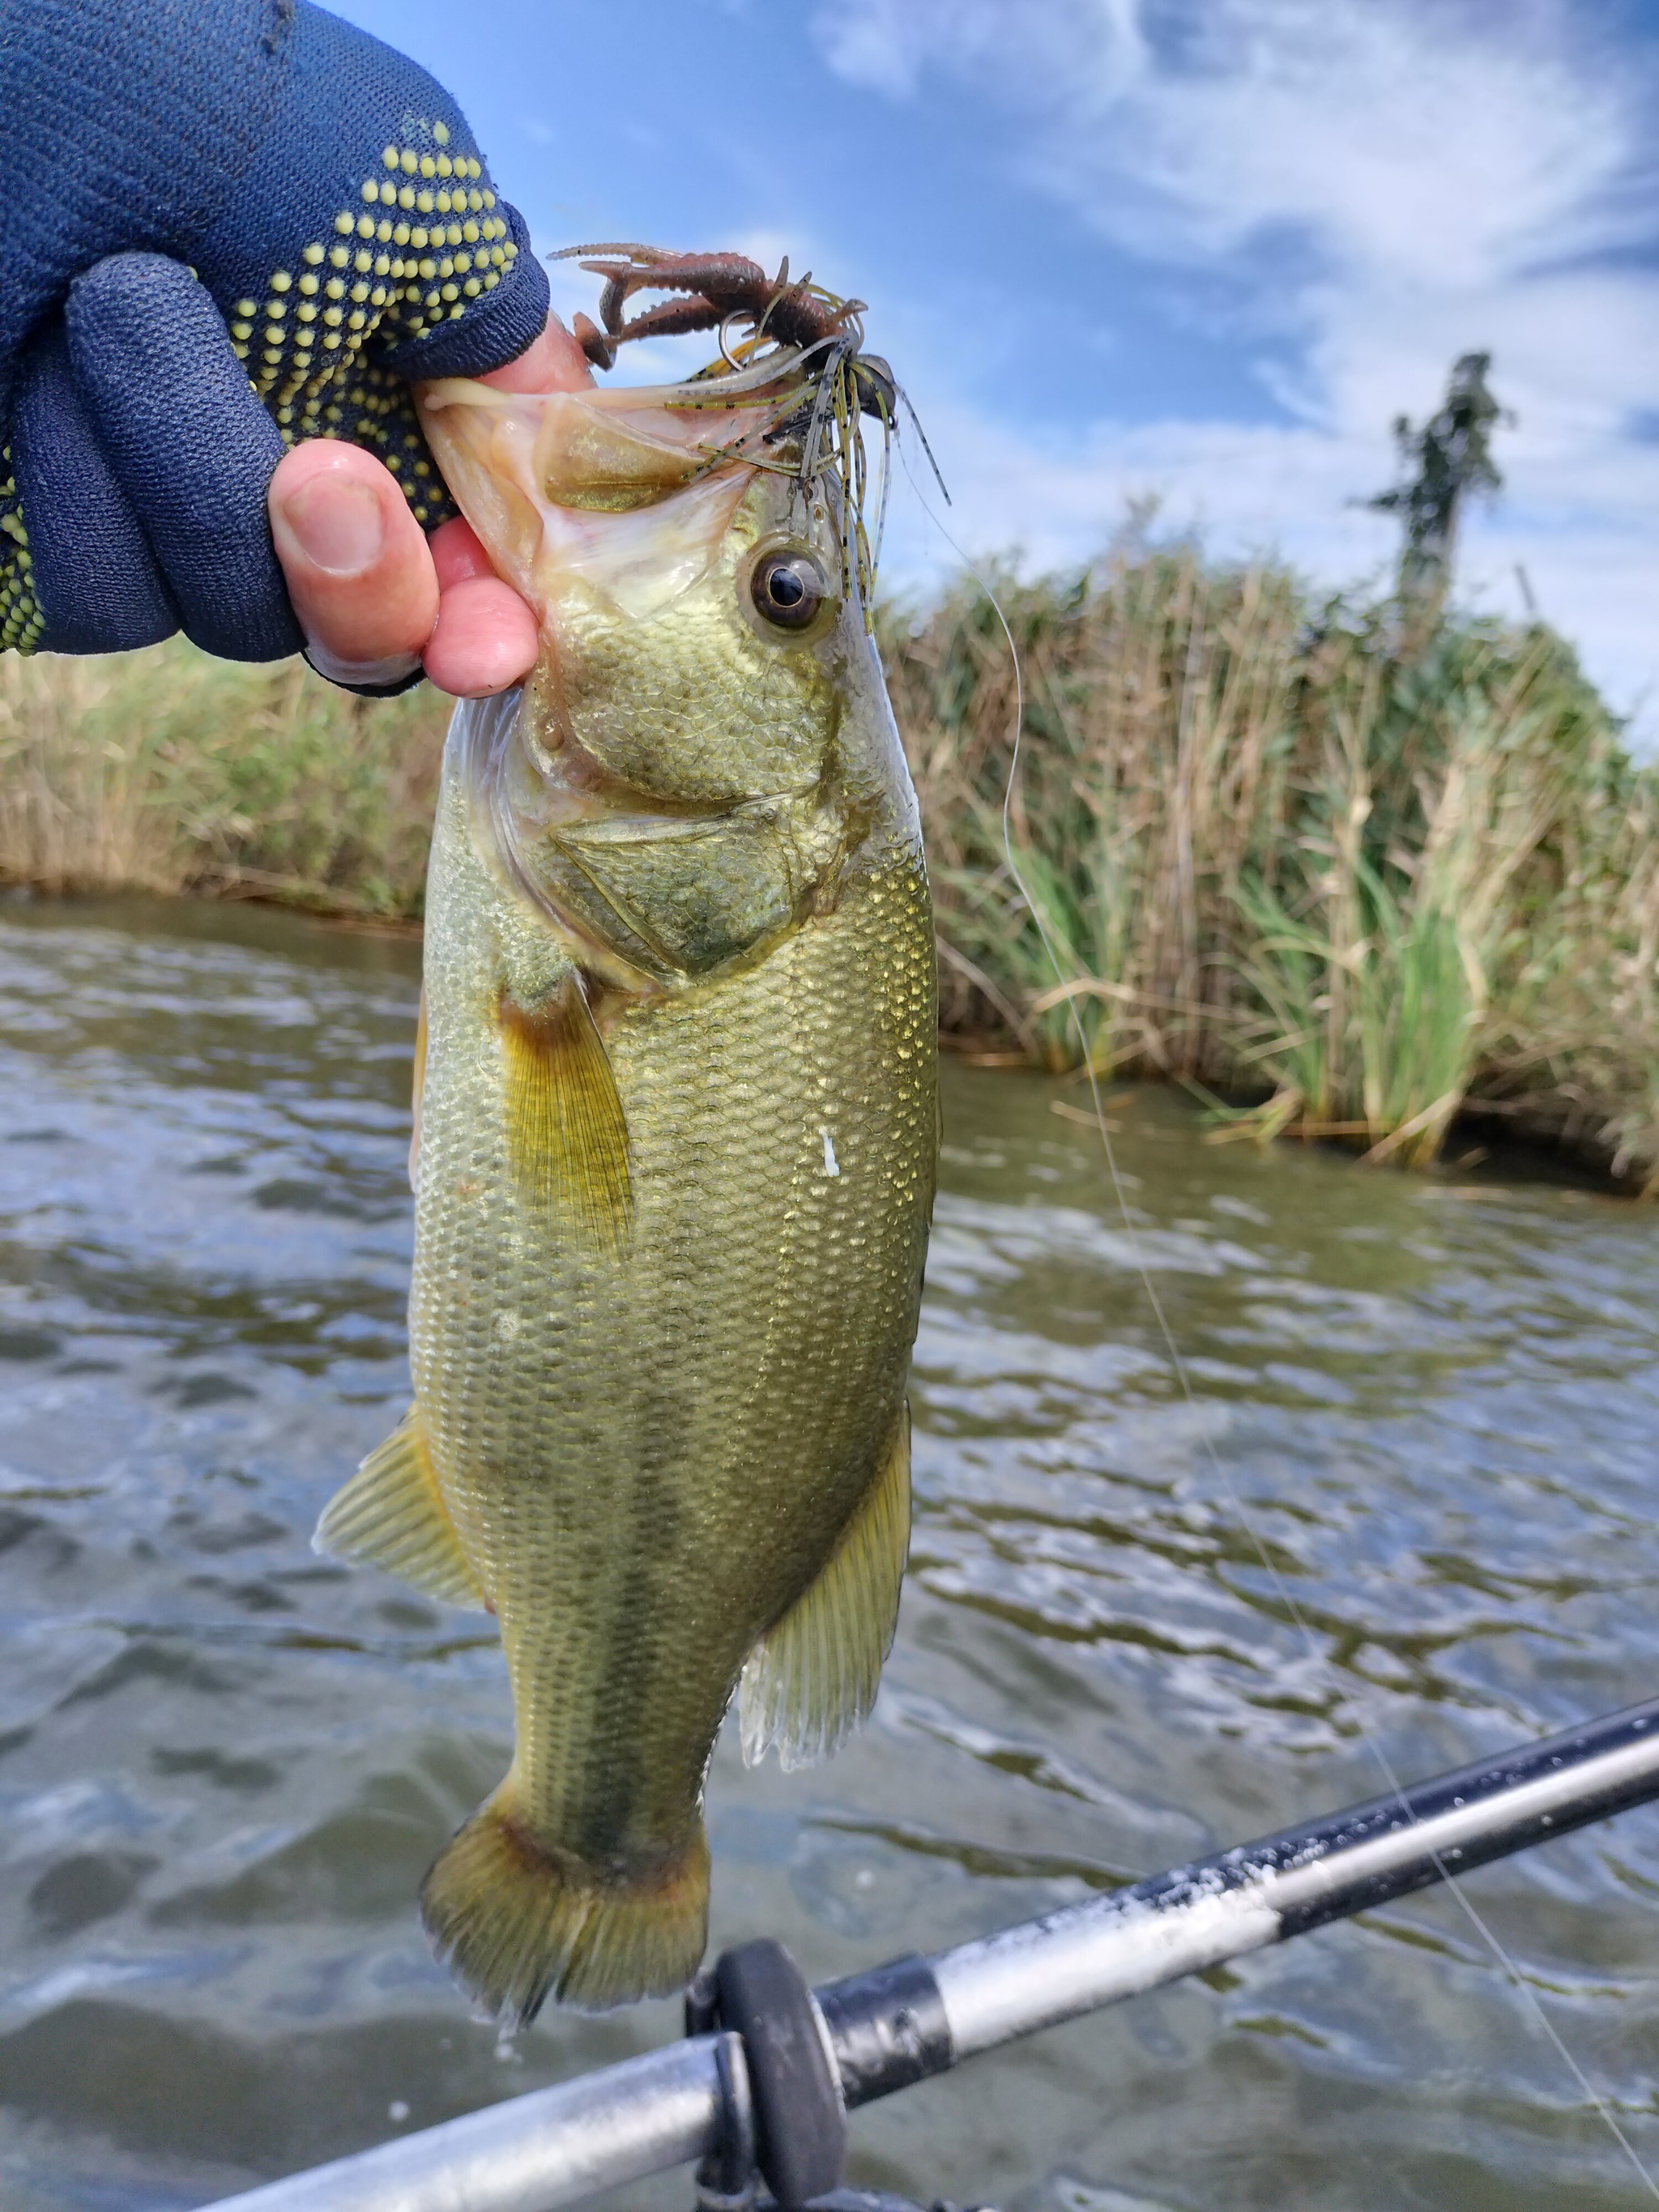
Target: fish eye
788, 589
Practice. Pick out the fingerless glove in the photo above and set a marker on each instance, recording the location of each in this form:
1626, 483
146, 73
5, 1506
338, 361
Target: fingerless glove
231, 224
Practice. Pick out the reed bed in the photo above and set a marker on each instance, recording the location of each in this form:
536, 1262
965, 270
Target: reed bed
166, 771
1250, 845
1250, 848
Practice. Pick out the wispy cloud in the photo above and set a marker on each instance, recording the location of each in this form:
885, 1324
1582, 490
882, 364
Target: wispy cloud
1380, 185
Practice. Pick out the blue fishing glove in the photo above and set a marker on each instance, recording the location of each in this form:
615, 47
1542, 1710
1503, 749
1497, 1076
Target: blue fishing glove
232, 224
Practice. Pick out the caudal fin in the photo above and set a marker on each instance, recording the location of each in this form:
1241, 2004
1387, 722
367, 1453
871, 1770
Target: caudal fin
516, 1923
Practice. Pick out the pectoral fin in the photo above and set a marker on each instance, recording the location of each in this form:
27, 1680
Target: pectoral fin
566, 1131
391, 1515
813, 1678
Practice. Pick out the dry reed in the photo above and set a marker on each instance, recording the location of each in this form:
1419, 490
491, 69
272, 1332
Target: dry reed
166, 771
1255, 851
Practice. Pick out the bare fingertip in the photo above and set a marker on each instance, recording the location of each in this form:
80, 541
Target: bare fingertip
485, 639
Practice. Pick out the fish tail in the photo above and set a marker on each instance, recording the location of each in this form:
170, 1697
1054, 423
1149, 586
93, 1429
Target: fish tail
517, 1921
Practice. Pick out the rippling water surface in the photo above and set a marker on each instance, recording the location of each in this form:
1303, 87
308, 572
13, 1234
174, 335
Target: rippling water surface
224, 1764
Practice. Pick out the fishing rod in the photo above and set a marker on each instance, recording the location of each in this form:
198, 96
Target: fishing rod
760, 2088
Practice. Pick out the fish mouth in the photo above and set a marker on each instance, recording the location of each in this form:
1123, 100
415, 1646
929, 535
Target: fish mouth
609, 451
791, 405
631, 490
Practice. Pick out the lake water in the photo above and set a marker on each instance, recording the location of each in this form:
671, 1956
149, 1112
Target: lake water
224, 1764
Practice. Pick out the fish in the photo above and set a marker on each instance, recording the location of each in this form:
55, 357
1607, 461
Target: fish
676, 1147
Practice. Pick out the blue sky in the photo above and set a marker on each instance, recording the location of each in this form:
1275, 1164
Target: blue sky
1204, 250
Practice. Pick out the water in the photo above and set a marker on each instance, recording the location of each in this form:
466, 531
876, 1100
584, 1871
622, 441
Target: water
224, 1762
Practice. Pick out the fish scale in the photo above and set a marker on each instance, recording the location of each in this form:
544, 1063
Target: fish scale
669, 1225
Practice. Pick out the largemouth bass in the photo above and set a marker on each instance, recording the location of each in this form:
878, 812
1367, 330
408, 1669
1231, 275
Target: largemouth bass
677, 1131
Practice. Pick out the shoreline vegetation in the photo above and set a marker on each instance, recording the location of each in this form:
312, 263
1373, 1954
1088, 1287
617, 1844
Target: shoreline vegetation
1339, 888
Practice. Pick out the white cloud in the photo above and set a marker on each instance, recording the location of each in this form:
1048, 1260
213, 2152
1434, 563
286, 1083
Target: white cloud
888, 46
1402, 142
1441, 177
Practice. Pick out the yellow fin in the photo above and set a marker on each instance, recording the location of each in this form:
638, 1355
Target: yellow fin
517, 1921
391, 1515
567, 1135
812, 1680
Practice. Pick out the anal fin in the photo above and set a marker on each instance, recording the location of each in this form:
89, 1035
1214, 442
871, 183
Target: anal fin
813, 1678
566, 1131
391, 1515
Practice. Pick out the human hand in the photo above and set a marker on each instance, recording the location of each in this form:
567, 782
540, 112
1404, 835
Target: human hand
259, 229
373, 593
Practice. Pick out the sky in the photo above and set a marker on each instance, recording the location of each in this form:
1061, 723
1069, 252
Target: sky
1198, 252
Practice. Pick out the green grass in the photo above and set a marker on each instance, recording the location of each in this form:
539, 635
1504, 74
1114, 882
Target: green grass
1249, 847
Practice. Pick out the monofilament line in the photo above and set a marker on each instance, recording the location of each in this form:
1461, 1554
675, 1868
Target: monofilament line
1281, 1589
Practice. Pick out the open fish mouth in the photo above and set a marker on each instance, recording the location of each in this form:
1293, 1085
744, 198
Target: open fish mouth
788, 392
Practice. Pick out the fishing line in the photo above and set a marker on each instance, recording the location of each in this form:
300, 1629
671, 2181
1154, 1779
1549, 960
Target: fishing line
1321, 1659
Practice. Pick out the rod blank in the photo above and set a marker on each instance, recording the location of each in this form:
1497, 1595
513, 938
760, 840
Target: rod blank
1087, 1955
529, 2153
